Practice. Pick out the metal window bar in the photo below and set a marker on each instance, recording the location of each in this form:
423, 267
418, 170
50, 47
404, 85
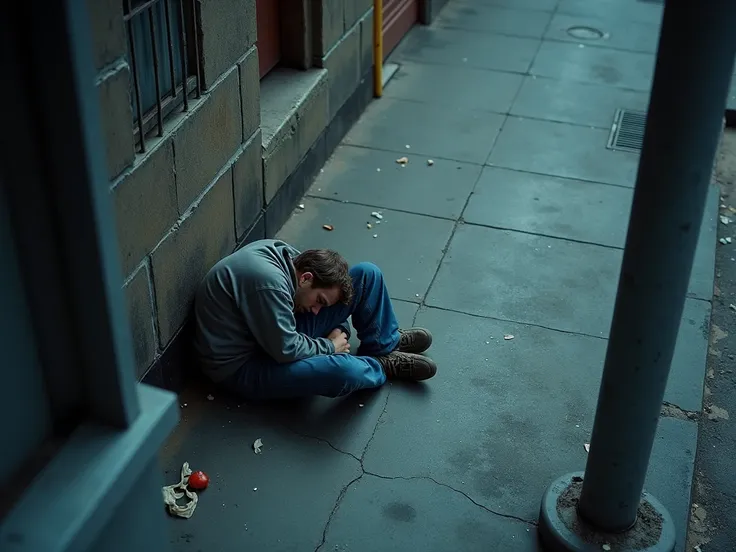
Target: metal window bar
165, 70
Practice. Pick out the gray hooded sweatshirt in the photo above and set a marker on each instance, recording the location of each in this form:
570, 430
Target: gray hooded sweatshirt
244, 308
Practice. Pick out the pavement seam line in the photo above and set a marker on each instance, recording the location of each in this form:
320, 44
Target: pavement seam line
509, 321
445, 485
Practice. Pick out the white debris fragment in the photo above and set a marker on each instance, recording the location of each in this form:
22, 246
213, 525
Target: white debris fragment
430, 162
378, 169
361, 405
257, 445
586, 446
508, 337
210, 398
732, 307
377, 215
255, 489
408, 146
375, 235
724, 219
368, 225
417, 295
725, 241
402, 161
301, 206
606, 547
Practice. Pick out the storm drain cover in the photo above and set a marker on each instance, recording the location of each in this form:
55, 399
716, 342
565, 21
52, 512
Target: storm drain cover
627, 132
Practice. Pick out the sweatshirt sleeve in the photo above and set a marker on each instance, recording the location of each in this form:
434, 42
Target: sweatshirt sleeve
270, 318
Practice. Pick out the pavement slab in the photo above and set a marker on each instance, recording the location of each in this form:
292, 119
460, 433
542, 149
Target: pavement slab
561, 149
408, 247
390, 124
417, 514
455, 85
577, 62
579, 103
703, 271
526, 278
527, 410
551, 206
277, 500
372, 177
670, 473
501, 419
435, 45
533, 5
612, 10
475, 16
614, 33
685, 384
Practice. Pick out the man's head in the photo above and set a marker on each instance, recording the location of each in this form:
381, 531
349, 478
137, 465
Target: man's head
323, 280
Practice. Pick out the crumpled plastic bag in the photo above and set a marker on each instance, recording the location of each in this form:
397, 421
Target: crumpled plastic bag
172, 493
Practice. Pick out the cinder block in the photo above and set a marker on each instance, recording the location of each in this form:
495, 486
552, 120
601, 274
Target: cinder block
366, 43
248, 185
355, 10
228, 30
294, 112
343, 69
140, 317
117, 119
108, 31
205, 235
250, 92
145, 205
329, 26
207, 139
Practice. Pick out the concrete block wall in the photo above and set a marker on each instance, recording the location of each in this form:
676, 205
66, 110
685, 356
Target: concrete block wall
232, 168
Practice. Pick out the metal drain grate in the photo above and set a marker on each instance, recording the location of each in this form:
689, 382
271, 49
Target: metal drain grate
627, 132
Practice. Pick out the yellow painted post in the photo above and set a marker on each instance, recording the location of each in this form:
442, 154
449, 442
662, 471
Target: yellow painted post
378, 48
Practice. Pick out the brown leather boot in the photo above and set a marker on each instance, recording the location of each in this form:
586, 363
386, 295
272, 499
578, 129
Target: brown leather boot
414, 340
407, 366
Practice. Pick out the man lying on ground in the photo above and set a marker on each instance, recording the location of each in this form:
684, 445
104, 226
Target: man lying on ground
271, 322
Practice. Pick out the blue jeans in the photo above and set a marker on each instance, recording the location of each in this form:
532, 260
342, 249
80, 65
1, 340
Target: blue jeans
330, 375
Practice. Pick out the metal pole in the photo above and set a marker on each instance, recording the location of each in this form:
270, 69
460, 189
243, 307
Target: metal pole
691, 81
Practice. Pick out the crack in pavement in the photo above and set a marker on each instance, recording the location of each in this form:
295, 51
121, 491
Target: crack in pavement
342, 494
364, 472
671, 410
375, 427
471, 499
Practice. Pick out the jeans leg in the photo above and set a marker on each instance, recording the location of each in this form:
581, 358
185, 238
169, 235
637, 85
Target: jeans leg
371, 309
373, 314
327, 375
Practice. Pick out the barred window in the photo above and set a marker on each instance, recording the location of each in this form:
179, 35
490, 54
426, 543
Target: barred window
164, 58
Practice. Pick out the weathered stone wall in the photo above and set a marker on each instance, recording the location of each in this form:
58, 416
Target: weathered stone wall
231, 169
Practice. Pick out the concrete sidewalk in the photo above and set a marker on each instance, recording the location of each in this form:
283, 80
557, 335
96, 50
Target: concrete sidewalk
517, 228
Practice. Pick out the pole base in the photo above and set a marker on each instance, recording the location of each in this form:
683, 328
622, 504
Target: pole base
562, 530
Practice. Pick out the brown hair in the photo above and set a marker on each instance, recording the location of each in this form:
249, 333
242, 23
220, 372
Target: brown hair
329, 269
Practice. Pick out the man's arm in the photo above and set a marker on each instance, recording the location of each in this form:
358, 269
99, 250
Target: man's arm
270, 318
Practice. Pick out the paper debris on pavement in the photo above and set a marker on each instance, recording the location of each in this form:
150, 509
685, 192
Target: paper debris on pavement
606, 547
257, 446
328, 227
172, 493
724, 219
508, 337
430, 162
377, 215
586, 446
402, 160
